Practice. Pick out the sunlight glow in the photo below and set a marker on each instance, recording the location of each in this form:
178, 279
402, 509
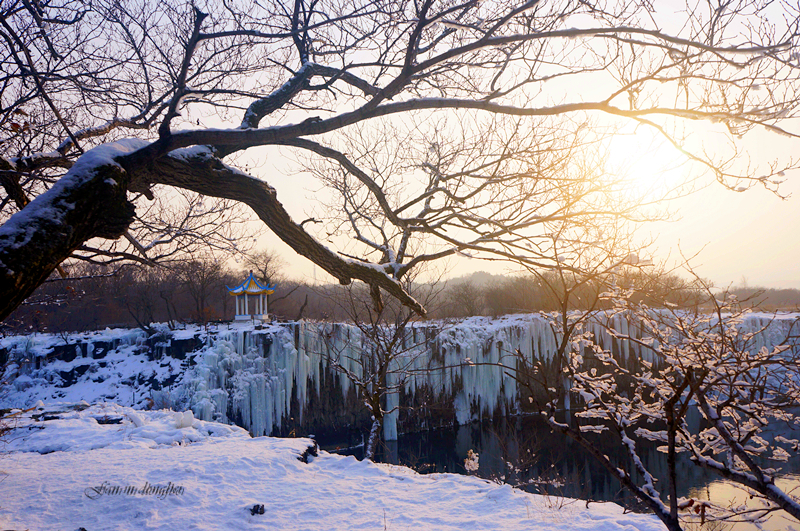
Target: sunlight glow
649, 166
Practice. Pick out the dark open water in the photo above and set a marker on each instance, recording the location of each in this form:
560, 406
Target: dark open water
524, 452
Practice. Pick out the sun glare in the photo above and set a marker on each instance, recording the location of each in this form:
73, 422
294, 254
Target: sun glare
646, 164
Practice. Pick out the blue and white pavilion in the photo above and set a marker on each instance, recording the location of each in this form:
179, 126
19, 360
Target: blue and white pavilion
251, 299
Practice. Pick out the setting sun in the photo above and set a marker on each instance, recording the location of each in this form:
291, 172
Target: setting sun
651, 166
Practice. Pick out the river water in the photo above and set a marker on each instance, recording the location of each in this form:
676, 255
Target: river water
524, 452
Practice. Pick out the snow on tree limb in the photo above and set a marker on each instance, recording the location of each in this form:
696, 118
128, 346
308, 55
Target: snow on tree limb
340, 70
197, 170
90, 201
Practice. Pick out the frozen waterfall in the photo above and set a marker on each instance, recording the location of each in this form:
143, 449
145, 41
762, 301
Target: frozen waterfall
282, 379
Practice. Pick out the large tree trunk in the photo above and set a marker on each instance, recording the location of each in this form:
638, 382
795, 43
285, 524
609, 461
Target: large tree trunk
89, 202
196, 170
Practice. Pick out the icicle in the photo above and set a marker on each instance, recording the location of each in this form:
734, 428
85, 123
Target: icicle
237, 377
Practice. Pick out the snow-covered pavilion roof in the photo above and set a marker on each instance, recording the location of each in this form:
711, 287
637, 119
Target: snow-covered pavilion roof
251, 286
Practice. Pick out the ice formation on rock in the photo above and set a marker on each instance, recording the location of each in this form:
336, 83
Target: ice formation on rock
252, 375
269, 379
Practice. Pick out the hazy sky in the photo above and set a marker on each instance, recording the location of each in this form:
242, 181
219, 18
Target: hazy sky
739, 236
732, 236
750, 235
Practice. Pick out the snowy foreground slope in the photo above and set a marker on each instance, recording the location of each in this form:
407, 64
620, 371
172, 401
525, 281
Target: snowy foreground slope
184, 473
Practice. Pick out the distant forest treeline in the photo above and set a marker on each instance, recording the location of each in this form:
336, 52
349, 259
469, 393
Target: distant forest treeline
194, 290
769, 299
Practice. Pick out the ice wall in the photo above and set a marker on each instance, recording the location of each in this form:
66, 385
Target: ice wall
259, 379
297, 378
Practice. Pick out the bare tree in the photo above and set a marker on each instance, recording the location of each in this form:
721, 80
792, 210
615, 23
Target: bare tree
380, 354
266, 264
465, 299
655, 286
641, 372
142, 300
202, 277
470, 106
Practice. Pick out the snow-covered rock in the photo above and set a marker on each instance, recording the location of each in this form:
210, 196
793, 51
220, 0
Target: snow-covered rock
64, 427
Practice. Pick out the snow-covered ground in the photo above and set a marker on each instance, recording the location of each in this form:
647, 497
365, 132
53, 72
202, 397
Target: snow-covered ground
111, 467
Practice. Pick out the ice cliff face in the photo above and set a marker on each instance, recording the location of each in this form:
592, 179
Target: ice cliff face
262, 379
282, 379
272, 380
